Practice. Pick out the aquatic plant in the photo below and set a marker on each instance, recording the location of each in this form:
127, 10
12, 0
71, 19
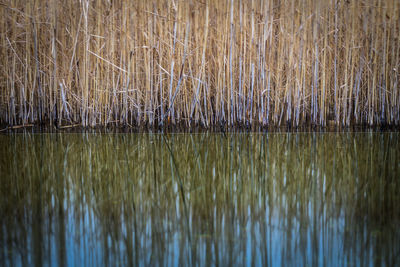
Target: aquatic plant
200, 62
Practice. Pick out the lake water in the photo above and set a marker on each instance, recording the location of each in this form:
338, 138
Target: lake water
252, 199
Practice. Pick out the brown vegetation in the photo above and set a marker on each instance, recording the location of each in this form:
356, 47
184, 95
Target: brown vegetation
200, 62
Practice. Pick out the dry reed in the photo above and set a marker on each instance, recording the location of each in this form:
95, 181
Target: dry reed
192, 62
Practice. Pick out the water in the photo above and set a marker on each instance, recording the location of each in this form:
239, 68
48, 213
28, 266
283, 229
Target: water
300, 199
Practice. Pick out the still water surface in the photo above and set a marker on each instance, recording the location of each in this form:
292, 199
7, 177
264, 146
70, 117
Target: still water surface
328, 199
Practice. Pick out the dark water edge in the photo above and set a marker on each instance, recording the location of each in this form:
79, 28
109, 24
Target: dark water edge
207, 199
48, 126
184, 128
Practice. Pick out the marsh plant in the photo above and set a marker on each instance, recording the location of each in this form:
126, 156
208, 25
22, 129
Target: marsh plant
236, 62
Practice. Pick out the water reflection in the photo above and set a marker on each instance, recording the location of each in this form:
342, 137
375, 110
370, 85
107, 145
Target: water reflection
201, 199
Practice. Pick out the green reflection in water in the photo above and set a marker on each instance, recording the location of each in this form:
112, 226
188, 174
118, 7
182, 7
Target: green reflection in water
200, 199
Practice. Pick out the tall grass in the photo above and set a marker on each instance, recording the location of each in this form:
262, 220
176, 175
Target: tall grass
200, 62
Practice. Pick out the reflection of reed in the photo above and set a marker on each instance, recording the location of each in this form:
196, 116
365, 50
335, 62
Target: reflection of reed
250, 198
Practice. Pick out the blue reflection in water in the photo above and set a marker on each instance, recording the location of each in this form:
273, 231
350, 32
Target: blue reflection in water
327, 199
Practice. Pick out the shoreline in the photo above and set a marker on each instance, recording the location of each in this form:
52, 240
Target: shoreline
182, 128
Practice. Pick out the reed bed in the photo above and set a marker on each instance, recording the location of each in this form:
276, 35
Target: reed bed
133, 63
